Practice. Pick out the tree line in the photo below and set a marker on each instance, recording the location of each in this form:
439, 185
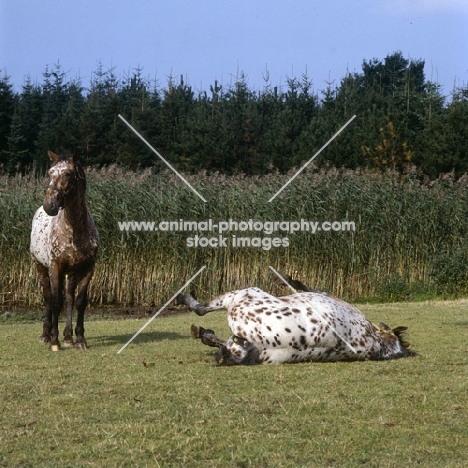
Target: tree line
402, 120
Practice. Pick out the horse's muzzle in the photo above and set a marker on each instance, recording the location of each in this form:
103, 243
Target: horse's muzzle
52, 204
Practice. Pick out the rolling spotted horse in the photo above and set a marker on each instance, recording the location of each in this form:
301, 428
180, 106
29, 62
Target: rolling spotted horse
64, 246
302, 327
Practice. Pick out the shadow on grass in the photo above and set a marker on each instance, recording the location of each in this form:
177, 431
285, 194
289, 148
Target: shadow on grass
144, 337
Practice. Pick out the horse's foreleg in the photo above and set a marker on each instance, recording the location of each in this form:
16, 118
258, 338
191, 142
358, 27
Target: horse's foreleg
81, 302
56, 290
44, 280
207, 337
70, 286
235, 350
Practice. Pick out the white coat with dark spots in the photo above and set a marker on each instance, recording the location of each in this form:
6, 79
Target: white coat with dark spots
308, 326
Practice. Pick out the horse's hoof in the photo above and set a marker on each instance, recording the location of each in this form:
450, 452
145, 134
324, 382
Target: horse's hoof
68, 344
80, 345
44, 339
195, 332
55, 347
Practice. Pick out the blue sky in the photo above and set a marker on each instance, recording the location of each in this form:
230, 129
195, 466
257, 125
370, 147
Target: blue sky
206, 40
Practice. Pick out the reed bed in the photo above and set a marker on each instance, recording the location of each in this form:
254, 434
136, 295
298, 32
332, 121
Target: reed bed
409, 239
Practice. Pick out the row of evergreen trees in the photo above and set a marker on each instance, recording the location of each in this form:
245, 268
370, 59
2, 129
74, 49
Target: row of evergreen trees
402, 120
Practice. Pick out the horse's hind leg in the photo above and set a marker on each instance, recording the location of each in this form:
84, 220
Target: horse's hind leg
200, 309
81, 302
70, 286
44, 279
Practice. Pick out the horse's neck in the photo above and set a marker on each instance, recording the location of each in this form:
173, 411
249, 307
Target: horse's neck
76, 213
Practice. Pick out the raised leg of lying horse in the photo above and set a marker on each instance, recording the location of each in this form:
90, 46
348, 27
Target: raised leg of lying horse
201, 308
234, 351
207, 337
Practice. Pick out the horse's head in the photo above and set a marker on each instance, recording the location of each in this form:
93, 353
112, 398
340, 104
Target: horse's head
64, 175
394, 344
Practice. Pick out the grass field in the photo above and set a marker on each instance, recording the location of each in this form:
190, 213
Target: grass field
163, 403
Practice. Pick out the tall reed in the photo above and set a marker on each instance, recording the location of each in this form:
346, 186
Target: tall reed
403, 224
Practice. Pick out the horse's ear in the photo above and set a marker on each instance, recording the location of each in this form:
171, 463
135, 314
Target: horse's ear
53, 157
75, 156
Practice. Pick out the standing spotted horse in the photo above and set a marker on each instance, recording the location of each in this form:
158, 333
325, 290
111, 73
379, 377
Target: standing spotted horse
302, 327
64, 246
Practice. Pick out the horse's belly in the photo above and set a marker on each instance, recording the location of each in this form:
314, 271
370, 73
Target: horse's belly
40, 246
317, 354
290, 355
296, 338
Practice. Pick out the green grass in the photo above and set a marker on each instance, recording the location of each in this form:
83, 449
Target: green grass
162, 401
